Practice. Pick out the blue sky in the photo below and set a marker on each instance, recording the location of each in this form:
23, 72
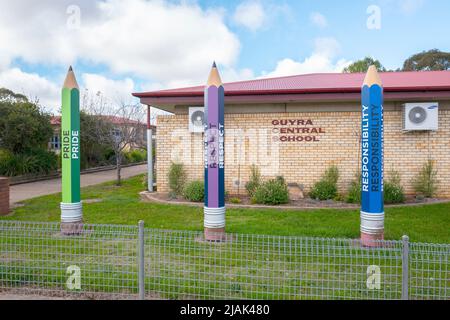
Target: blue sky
120, 46
403, 31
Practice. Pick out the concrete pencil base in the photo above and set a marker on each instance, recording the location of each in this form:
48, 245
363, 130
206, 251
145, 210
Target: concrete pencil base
372, 240
215, 234
71, 228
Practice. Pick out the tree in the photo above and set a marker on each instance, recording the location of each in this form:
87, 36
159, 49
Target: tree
115, 126
23, 125
363, 65
8, 95
431, 60
126, 132
95, 150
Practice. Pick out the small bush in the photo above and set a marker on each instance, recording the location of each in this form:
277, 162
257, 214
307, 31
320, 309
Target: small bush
177, 178
32, 162
136, 156
235, 200
195, 191
332, 174
254, 182
145, 181
272, 192
426, 183
354, 191
393, 191
323, 190
326, 188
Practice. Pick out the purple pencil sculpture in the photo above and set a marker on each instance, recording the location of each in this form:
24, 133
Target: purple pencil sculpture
214, 210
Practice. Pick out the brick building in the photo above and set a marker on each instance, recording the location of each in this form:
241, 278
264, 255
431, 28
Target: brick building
298, 126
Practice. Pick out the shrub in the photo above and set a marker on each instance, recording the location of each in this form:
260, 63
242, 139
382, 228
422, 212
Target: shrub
271, 192
332, 174
145, 181
195, 191
32, 162
254, 182
136, 156
235, 200
323, 190
326, 188
425, 182
177, 178
393, 191
354, 191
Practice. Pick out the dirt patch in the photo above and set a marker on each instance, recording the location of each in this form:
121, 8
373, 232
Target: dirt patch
34, 293
92, 200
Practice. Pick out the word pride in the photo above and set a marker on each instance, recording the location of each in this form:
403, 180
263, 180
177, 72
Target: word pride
71, 144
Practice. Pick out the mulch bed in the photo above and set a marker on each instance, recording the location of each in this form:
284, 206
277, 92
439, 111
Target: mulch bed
306, 203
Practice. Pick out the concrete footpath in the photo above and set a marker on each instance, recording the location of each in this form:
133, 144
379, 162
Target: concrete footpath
30, 190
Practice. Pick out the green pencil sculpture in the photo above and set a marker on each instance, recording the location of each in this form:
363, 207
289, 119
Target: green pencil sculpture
71, 207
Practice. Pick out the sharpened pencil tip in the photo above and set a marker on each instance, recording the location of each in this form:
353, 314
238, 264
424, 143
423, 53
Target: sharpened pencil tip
372, 77
70, 81
214, 77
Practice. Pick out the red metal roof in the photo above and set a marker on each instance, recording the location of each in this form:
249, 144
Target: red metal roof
56, 120
320, 83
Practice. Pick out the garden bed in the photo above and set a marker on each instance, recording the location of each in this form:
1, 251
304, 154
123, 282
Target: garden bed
306, 203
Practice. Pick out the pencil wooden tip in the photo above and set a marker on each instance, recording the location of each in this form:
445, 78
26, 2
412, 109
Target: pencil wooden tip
214, 77
372, 77
70, 82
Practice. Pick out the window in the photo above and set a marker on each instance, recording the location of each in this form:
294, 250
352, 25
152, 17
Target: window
55, 143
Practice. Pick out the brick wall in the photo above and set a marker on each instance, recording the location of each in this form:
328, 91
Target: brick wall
4, 196
253, 138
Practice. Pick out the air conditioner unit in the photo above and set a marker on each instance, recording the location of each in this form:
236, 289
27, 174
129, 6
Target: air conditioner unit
196, 119
420, 116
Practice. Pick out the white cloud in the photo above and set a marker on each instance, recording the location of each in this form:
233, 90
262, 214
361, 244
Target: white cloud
250, 14
116, 90
410, 6
155, 40
323, 59
32, 86
406, 7
318, 19
231, 74
49, 93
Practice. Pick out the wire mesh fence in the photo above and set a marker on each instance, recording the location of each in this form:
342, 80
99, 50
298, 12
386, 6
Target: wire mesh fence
120, 262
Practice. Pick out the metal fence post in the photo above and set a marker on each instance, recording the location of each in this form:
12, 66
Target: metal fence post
141, 261
405, 267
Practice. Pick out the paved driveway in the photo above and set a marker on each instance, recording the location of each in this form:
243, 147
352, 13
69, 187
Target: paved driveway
30, 190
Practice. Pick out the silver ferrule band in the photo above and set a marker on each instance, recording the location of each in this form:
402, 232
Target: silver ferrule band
214, 217
71, 212
372, 223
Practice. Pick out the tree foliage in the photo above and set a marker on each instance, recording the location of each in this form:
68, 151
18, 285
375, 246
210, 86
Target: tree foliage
23, 125
432, 60
363, 65
94, 131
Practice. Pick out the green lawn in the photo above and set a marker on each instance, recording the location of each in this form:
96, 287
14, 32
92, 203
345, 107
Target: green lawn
121, 205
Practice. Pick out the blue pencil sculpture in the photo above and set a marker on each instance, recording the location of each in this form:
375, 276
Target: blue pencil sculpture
372, 207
